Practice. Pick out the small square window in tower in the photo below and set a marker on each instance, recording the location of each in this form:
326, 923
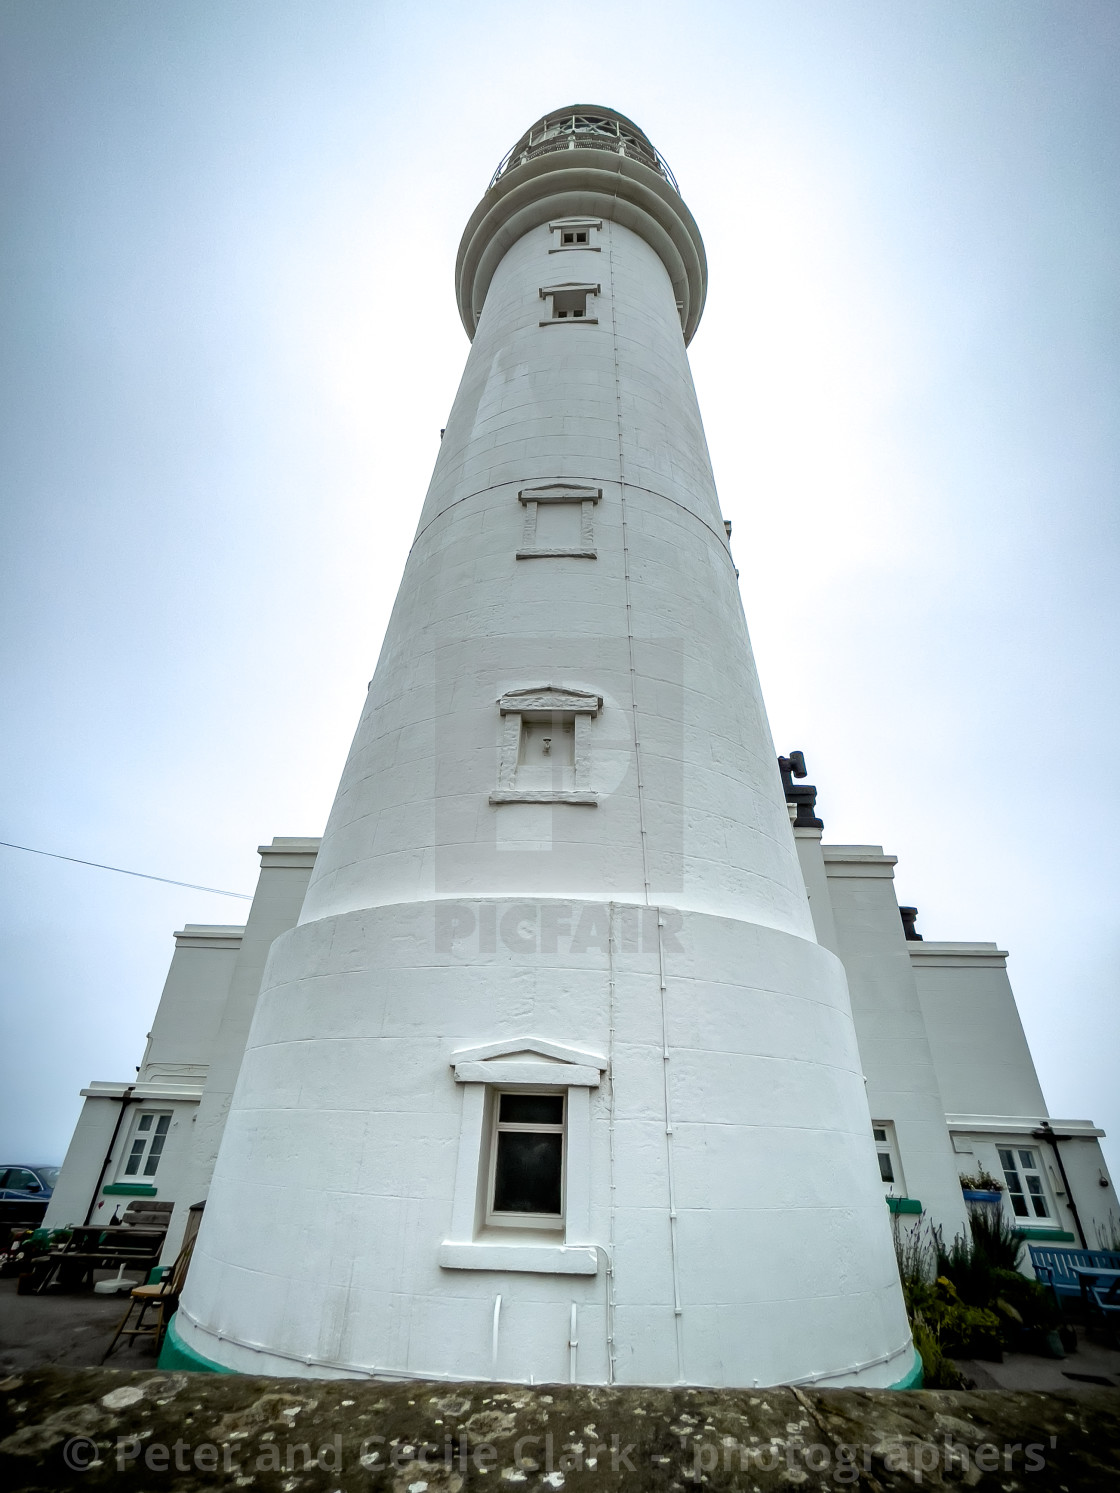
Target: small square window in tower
575, 233
559, 521
545, 753
570, 303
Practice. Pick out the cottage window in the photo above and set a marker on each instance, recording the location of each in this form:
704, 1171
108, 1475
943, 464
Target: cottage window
148, 1140
1025, 1186
525, 1187
886, 1148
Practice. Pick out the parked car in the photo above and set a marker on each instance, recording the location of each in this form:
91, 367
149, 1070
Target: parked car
25, 1192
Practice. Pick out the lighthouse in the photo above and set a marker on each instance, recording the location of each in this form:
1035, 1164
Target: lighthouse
552, 1080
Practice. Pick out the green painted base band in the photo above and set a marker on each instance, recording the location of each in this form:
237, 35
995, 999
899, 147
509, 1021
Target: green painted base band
176, 1355
915, 1378
130, 1190
1055, 1236
904, 1205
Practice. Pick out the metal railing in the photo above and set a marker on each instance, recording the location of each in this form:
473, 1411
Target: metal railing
583, 132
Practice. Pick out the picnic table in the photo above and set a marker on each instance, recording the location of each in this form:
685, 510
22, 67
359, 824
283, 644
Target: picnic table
94, 1247
1100, 1294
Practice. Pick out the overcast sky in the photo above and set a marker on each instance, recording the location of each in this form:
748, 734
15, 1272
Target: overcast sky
229, 341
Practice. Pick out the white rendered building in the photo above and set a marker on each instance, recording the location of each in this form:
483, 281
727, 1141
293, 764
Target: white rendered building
572, 1058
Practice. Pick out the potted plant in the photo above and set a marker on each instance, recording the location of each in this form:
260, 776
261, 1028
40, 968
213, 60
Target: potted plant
981, 1187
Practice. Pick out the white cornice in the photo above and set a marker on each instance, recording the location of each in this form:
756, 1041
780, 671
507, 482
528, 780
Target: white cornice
1022, 1125
858, 861
956, 955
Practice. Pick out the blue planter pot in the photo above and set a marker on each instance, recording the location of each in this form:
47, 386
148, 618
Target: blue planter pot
973, 1195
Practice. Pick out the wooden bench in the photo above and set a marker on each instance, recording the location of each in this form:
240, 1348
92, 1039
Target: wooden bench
1056, 1267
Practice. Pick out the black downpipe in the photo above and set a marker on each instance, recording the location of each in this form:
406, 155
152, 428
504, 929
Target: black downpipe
126, 1100
1047, 1134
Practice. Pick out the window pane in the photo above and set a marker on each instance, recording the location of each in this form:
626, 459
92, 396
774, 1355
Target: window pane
162, 1124
1026, 1159
1040, 1208
134, 1159
1007, 1160
1019, 1203
879, 1134
145, 1122
532, 1109
527, 1172
886, 1171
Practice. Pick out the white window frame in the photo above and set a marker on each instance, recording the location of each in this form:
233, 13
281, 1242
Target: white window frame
525, 1065
559, 226
1023, 1173
146, 1134
888, 1147
559, 492
548, 292
559, 706
494, 1219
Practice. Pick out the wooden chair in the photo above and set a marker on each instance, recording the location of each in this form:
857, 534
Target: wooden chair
163, 1296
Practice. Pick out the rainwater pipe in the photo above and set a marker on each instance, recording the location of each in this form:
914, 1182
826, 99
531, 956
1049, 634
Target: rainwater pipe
126, 1100
1047, 1134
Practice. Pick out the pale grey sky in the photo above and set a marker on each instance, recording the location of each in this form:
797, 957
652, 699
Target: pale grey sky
229, 341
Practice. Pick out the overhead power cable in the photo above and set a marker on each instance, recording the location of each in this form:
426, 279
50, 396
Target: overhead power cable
144, 875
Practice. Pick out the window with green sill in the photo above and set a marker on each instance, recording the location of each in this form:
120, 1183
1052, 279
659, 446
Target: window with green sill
146, 1146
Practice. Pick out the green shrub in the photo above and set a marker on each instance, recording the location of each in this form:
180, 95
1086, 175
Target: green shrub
1032, 1302
967, 1267
981, 1180
938, 1372
995, 1237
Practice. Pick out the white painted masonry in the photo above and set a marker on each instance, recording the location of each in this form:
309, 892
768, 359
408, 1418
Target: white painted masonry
734, 1098
190, 1063
560, 864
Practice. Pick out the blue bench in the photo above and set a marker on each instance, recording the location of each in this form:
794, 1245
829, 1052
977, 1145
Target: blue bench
1054, 1266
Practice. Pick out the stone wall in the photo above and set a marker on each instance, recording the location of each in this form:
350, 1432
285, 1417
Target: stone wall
97, 1428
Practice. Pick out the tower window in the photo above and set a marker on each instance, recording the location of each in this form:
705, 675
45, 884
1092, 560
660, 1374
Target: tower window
545, 754
575, 233
559, 521
526, 1184
569, 303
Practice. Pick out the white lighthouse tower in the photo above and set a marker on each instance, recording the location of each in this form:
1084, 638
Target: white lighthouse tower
552, 1081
